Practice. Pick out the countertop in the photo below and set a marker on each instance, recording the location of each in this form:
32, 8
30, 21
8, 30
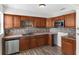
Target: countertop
35, 34
70, 37
20, 35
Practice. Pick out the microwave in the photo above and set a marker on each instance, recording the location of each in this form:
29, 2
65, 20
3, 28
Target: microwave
59, 23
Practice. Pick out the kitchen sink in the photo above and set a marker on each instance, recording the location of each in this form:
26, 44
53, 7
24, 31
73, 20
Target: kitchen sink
28, 34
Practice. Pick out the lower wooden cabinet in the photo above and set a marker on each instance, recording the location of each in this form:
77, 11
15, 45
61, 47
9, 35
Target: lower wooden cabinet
24, 43
33, 42
42, 40
68, 46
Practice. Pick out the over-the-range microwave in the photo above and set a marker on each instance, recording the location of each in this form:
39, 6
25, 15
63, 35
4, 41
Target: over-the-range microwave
59, 23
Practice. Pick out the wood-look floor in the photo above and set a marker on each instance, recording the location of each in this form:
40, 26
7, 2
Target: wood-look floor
44, 50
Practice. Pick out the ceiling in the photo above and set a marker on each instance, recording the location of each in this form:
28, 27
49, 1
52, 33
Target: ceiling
49, 10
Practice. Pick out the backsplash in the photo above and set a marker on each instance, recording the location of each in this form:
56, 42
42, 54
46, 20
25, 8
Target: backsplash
40, 30
70, 31
25, 30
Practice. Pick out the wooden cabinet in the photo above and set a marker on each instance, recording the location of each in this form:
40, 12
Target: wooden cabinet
39, 22
33, 42
24, 43
39, 40
11, 21
42, 40
51, 40
49, 22
8, 21
26, 17
70, 20
68, 46
61, 17
16, 21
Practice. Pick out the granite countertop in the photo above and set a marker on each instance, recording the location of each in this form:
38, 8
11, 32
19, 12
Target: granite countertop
35, 34
20, 35
70, 37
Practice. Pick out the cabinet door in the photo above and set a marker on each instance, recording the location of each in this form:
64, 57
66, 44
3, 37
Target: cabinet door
42, 40
33, 42
8, 21
42, 22
16, 21
39, 22
67, 48
50, 22
70, 20
24, 43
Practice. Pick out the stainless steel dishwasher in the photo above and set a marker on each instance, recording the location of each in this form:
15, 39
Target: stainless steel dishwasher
12, 46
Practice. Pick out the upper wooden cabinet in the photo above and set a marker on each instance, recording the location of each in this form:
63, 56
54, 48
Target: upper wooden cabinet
8, 21
26, 18
70, 20
61, 17
11, 21
16, 21
39, 22
49, 22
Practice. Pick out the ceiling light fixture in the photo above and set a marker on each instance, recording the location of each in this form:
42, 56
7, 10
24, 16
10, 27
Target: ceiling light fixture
42, 5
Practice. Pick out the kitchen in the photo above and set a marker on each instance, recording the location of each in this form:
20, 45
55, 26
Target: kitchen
22, 33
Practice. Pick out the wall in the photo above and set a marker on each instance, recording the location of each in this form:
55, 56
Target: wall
1, 27
77, 31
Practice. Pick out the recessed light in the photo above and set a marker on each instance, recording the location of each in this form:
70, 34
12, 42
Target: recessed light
42, 5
